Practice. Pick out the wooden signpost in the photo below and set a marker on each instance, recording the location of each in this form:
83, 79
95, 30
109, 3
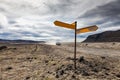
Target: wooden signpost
73, 26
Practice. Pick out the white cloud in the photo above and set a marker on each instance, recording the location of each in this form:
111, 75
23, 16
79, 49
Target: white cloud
33, 19
3, 21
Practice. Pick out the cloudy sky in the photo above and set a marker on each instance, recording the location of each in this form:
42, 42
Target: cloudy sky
33, 19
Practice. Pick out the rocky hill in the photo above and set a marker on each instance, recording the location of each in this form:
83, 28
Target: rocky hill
108, 36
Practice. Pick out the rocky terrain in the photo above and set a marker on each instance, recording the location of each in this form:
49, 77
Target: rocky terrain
95, 61
108, 36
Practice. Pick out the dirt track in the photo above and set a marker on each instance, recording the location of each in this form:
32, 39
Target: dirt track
49, 62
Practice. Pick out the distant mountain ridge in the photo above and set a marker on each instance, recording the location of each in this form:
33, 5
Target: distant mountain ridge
108, 36
19, 41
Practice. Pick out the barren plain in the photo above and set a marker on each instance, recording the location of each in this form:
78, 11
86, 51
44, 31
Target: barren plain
95, 61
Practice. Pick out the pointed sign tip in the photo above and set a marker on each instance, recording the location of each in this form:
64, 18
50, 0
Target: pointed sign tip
87, 29
66, 25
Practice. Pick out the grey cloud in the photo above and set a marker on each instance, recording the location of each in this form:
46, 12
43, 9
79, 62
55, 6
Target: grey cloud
12, 22
62, 8
109, 13
73, 7
111, 9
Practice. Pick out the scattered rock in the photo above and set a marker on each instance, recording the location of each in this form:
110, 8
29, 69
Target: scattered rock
3, 47
9, 68
57, 76
102, 57
81, 59
49, 72
73, 76
43, 76
69, 58
106, 74
77, 72
28, 58
84, 73
95, 70
27, 78
106, 68
113, 43
31, 58
61, 72
35, 58
69, 67
63, 65
54, 64
90, 65
23, 66
118, 75
46, 61
14, 48
86, 44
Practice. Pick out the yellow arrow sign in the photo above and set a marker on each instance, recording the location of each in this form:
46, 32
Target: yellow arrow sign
66, 25
87, 29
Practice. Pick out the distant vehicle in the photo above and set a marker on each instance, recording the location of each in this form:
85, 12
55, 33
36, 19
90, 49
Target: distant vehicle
58, 43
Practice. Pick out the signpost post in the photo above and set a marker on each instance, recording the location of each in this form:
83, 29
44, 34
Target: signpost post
75, 49
77, 31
